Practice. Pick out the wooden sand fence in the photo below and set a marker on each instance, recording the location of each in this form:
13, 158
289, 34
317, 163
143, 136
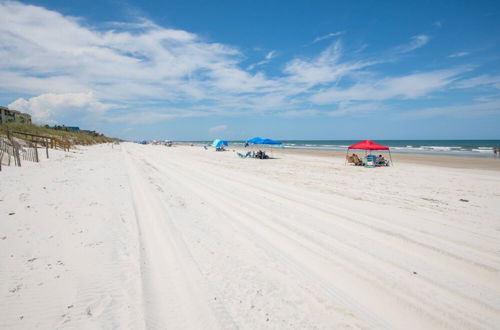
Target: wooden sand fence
43, 140
12, 149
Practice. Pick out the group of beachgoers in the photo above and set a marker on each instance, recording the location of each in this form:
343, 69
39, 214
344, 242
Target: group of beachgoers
369, 160
251, 154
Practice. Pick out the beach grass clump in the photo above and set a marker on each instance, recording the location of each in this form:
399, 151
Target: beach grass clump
60, 132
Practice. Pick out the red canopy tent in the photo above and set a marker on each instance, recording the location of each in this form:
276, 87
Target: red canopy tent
369, 145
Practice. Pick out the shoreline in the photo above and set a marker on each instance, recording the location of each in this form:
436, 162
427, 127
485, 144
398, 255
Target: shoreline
452, 148
476, 163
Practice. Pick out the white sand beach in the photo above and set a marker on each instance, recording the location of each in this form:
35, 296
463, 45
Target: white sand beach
150, 237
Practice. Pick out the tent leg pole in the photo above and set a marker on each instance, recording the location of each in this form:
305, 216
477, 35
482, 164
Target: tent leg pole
390, 156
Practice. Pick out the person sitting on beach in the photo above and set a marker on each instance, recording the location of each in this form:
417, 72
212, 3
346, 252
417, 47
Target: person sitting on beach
356, 160
382, 161
261, 155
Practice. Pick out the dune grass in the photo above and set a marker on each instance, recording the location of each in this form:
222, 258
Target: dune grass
79, 137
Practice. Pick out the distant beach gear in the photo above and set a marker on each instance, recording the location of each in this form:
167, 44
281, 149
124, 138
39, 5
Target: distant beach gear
371, 160
248, 154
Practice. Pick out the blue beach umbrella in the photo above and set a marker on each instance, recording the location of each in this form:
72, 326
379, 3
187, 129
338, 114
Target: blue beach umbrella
269, 141
264, 142
255, 140
219, 143
259, 140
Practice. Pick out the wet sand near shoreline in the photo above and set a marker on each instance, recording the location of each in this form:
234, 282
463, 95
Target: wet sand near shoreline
490, 164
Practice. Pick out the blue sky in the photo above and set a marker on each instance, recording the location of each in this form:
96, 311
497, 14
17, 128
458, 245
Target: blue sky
193, 70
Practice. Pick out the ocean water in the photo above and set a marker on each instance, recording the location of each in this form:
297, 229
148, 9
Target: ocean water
464, 148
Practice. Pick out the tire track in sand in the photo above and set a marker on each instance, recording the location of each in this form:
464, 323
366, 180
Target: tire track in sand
174, 295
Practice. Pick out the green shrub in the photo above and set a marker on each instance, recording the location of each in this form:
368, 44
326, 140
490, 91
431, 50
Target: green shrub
76, 138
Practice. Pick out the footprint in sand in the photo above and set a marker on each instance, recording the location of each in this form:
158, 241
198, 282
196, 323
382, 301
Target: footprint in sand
16, 288
96, 308
23, 197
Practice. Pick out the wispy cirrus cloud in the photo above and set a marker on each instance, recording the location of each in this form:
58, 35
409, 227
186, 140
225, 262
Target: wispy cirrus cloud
481, 80
327, 36
327, 67
405, 87
415, 43
269, 56
459, 54
459, 110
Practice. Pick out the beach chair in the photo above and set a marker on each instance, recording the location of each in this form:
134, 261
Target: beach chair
241, 155
370, 161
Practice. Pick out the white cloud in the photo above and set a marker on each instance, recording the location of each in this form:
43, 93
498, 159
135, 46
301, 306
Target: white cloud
217, 129
415, 42
269, 56
346, 108
404, 87
147, 116
45, 46
325, 68
479, 81
47, 108
327, 36
64, 65
468, 110
300, 113
459, 54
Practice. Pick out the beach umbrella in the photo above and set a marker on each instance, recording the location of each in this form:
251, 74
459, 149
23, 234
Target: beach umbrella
369, 145
269, 141
259, 140
219, 143
255, 140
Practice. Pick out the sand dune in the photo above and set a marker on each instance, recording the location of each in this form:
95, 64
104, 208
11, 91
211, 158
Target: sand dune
183, 238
